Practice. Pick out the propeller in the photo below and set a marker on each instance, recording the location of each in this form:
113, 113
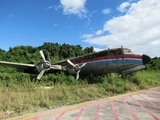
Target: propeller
48, 57
40, 74
77, 68
42, 54
46, 65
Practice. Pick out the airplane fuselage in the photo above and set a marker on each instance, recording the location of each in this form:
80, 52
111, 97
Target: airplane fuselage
120, 60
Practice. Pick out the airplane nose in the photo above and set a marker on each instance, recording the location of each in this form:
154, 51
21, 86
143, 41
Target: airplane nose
146, 59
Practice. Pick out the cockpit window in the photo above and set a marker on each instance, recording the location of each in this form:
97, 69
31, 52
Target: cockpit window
127, 51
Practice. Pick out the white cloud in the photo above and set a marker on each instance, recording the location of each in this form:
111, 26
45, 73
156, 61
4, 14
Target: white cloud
123, 6
50, 7
99, 32
97, 49
58, 7
106, 11
87, 36
55, 24
75, 7
138, 29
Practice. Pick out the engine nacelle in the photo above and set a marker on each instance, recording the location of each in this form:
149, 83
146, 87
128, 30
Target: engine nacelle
39, 67
42, 66
71, 70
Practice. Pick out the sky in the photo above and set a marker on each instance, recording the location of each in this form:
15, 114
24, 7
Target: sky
103, 24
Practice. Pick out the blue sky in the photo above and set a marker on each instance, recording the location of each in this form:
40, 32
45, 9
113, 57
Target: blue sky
99, 23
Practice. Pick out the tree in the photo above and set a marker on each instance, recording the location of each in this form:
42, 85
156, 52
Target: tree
154, 64
2, 54
88, 50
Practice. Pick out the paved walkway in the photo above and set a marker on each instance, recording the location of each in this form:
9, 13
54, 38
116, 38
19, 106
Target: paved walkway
141, 105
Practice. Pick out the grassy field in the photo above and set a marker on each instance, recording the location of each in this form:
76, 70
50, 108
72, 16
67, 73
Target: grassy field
21, 93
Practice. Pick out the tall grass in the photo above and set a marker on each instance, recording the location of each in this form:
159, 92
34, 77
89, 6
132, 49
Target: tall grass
21, 92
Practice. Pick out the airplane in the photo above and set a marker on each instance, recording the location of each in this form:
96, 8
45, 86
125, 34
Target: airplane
116, 60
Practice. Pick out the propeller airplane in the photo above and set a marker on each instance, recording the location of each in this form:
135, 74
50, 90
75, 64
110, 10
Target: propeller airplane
117, 60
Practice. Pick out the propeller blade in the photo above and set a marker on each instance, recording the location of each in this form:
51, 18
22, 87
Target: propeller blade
77, 76
42, 54
83, 65
48, 58
40, 74
56, 67
70, 63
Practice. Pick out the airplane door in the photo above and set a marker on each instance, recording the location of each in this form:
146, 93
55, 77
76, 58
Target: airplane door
119, 60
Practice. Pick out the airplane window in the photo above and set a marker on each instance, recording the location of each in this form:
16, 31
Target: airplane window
130, 51
110, 53
119, 52
127, 51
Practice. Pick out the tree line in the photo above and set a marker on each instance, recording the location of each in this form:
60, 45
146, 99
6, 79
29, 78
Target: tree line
57, 52
154, 64
31, 55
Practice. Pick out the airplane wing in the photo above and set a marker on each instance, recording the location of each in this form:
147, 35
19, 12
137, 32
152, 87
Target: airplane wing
140, 67
40, 68
21, 67
16, 65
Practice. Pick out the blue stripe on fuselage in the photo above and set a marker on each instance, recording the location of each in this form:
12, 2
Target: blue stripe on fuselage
115, 61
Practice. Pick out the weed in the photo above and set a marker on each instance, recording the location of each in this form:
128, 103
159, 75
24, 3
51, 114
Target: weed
20, 92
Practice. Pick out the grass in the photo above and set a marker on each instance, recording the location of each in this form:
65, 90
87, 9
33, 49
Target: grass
20, 93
